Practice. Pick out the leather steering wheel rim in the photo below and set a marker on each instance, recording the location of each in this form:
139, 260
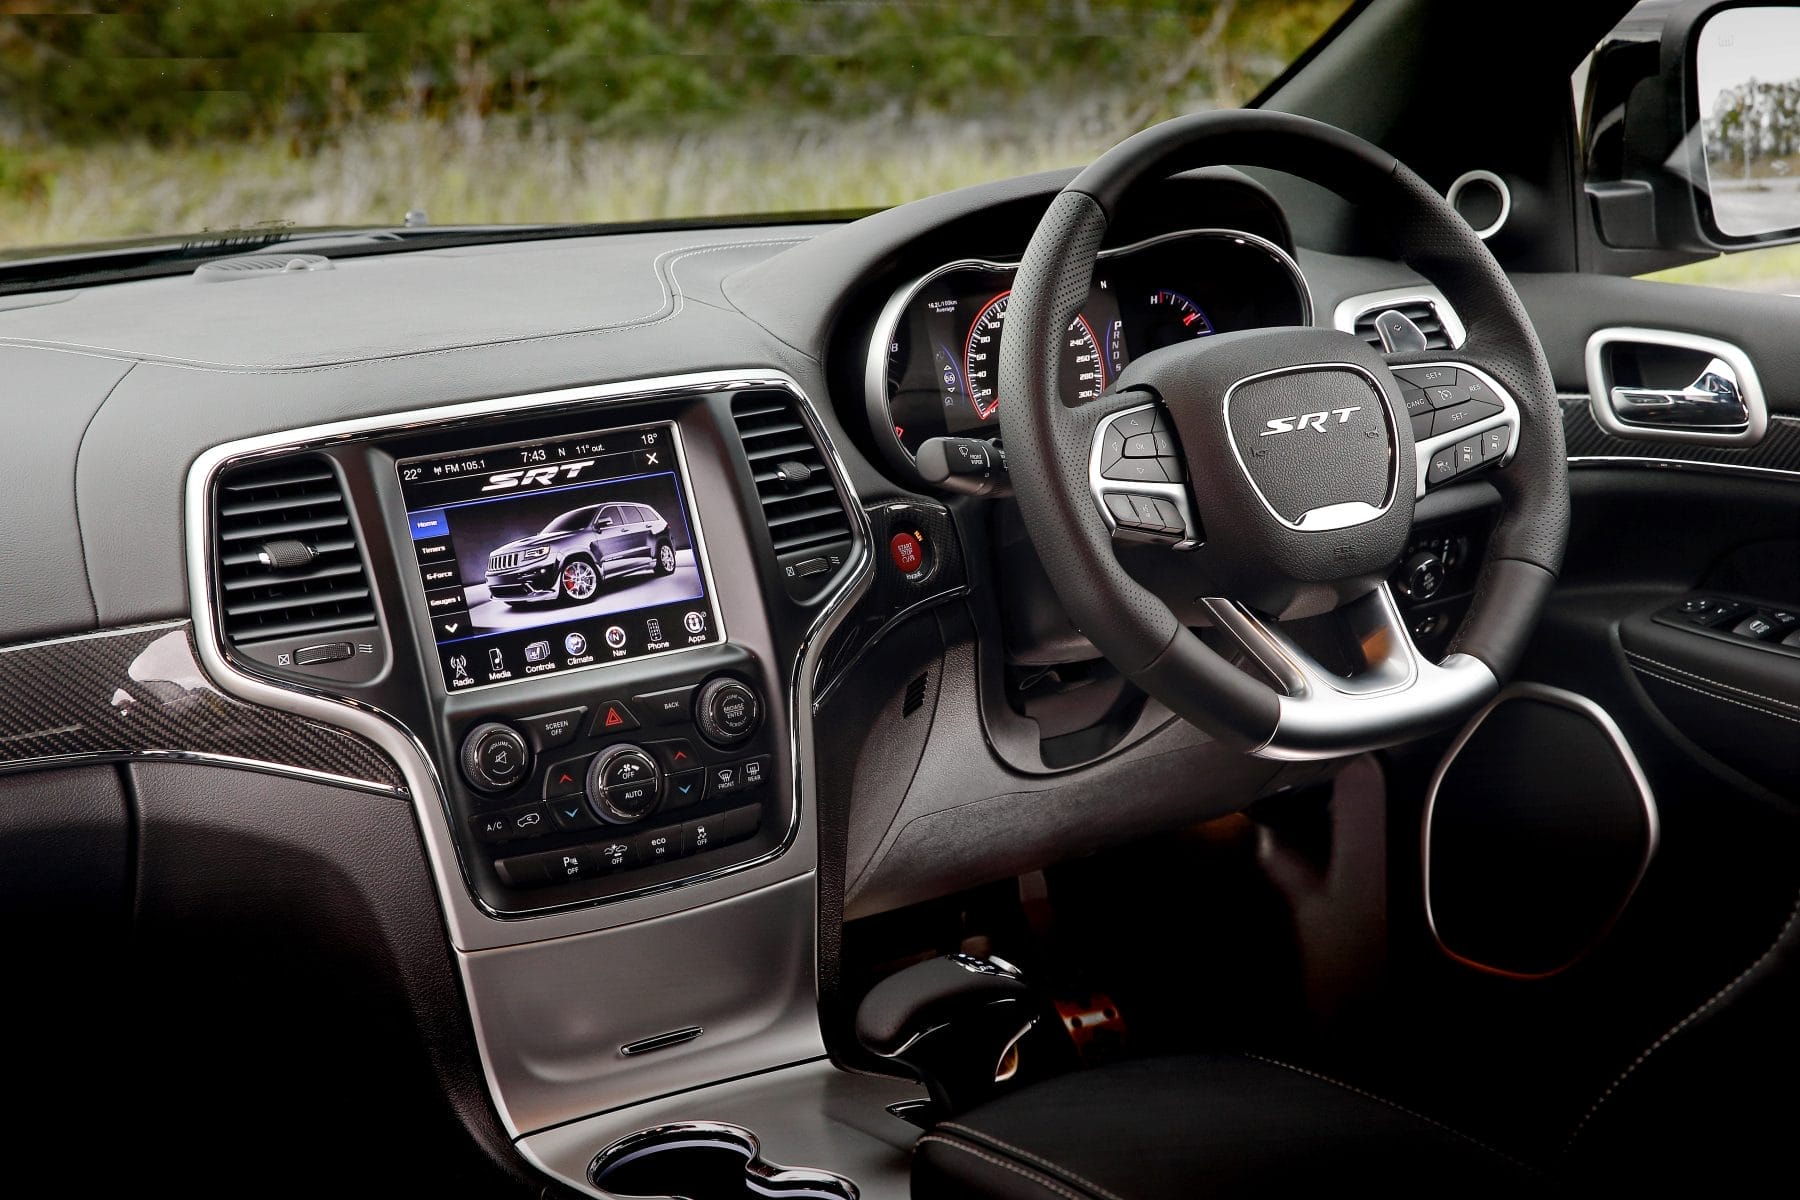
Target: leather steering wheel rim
1048, 446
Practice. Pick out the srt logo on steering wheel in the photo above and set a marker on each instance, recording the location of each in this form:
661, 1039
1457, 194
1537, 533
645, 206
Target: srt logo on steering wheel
1312, 420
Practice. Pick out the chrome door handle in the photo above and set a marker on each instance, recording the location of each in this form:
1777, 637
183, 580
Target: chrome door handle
1712, 401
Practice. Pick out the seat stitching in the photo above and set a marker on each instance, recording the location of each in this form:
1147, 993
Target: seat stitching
1400, 1108
1755, 708
1709, 680
1043, 1181
1058, 1168
1680, 1025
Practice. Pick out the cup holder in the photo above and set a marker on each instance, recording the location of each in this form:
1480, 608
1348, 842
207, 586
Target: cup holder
706, 1161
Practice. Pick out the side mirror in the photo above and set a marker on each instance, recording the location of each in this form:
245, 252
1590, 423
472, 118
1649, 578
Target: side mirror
1693, 129
603, 523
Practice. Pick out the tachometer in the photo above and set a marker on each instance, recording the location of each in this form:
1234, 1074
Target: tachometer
1173, 318
1083, 372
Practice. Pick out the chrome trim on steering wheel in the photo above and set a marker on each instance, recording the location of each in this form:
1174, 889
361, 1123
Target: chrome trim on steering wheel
1397, 696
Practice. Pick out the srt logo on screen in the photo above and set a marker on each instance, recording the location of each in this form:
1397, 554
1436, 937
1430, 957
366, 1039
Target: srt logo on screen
1313, 420
537, 476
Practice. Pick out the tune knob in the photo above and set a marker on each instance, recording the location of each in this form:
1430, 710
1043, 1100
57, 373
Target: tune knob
623, 785
1422, 576
494, 757
727, 711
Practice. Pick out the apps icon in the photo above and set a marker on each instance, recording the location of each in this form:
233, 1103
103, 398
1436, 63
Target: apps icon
615, 637
537, 652
695, 622
653, 628
575, 644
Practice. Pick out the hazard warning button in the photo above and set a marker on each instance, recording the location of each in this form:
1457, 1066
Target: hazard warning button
613, 716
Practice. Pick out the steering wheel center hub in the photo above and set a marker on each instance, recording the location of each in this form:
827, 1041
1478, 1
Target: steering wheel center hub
1316, 443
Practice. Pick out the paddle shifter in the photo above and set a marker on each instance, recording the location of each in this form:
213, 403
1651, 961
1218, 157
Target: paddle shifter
950, 1021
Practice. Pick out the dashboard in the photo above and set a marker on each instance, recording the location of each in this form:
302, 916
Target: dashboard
934, 358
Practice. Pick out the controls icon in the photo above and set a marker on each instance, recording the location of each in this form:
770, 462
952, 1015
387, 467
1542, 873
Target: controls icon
575, 644
615, 637
695, 622
537, 652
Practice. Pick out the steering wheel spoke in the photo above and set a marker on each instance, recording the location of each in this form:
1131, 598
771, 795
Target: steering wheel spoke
1394, 691
1137, 474
1464, 420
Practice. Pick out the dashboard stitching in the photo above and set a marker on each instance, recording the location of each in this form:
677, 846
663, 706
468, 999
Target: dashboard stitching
673, 299
87, 573
1645, 658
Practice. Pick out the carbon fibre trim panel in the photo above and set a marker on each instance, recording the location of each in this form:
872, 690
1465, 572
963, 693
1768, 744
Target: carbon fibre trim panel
139, 693
1779, 449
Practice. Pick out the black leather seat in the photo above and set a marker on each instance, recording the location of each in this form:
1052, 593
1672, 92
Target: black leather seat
1202, 1126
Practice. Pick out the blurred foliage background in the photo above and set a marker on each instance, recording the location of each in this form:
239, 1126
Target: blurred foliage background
153, 116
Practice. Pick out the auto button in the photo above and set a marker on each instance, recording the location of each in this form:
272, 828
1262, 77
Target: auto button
623, 785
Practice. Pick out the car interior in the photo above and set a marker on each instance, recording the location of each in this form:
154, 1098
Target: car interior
1318, 701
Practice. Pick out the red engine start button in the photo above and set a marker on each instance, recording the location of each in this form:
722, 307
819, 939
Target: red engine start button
908, 552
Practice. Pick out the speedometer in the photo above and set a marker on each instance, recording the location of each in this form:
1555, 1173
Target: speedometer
1083, 372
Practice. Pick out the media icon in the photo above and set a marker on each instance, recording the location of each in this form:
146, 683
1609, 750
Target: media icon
496, 660
575, 644
537, 652
653, 628
695, 622
615, 637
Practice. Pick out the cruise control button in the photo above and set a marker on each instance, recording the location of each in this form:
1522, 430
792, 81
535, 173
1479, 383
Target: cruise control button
1447, 396
671, 707
546, 731
1448, 420
724, 780
1476, 387
1421, 427
566, 778
657, 845
1417, 402
685, 789
613, 716
1427, 377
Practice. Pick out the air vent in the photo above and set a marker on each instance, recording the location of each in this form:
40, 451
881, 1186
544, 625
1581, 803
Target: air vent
1422, 313
915, 695
244, 266
805, 517
287, 562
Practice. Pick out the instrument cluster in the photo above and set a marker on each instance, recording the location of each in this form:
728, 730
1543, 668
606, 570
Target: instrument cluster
934, 361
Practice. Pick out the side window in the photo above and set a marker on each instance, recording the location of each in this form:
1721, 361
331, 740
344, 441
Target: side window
640, 514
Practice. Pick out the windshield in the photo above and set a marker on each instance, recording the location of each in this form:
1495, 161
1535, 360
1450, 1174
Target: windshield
146, 118
569, 522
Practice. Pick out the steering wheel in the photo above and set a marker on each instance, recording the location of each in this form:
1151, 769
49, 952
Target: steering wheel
1296, 472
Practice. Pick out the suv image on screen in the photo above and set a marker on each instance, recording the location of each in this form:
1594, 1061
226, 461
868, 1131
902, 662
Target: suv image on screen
570, 557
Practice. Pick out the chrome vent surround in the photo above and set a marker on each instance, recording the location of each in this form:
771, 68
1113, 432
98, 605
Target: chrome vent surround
1421, 312
801, 506
292, 500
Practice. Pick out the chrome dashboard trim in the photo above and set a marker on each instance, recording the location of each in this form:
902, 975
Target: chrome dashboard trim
471, 925
1575, 702
1344, 316
1683, 464
875, 399
202, 758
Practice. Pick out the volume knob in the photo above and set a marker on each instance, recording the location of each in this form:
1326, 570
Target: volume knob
494, 757
623, 785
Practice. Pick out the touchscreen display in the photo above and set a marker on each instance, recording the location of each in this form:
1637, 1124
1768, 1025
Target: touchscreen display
556, 555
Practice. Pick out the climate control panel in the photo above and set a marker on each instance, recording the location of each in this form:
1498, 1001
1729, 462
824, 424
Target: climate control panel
618, 789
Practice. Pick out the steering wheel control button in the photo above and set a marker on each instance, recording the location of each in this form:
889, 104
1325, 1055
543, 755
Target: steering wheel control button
1449, 420
1442, 468
1428, 377
1494, 443
1468, 454
1136, 470
1447, 396
623, 785
494, 757
1142, 445
566, 778
547, 731
727, 711
671, 707
1477, 388
685, 790
613, 716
